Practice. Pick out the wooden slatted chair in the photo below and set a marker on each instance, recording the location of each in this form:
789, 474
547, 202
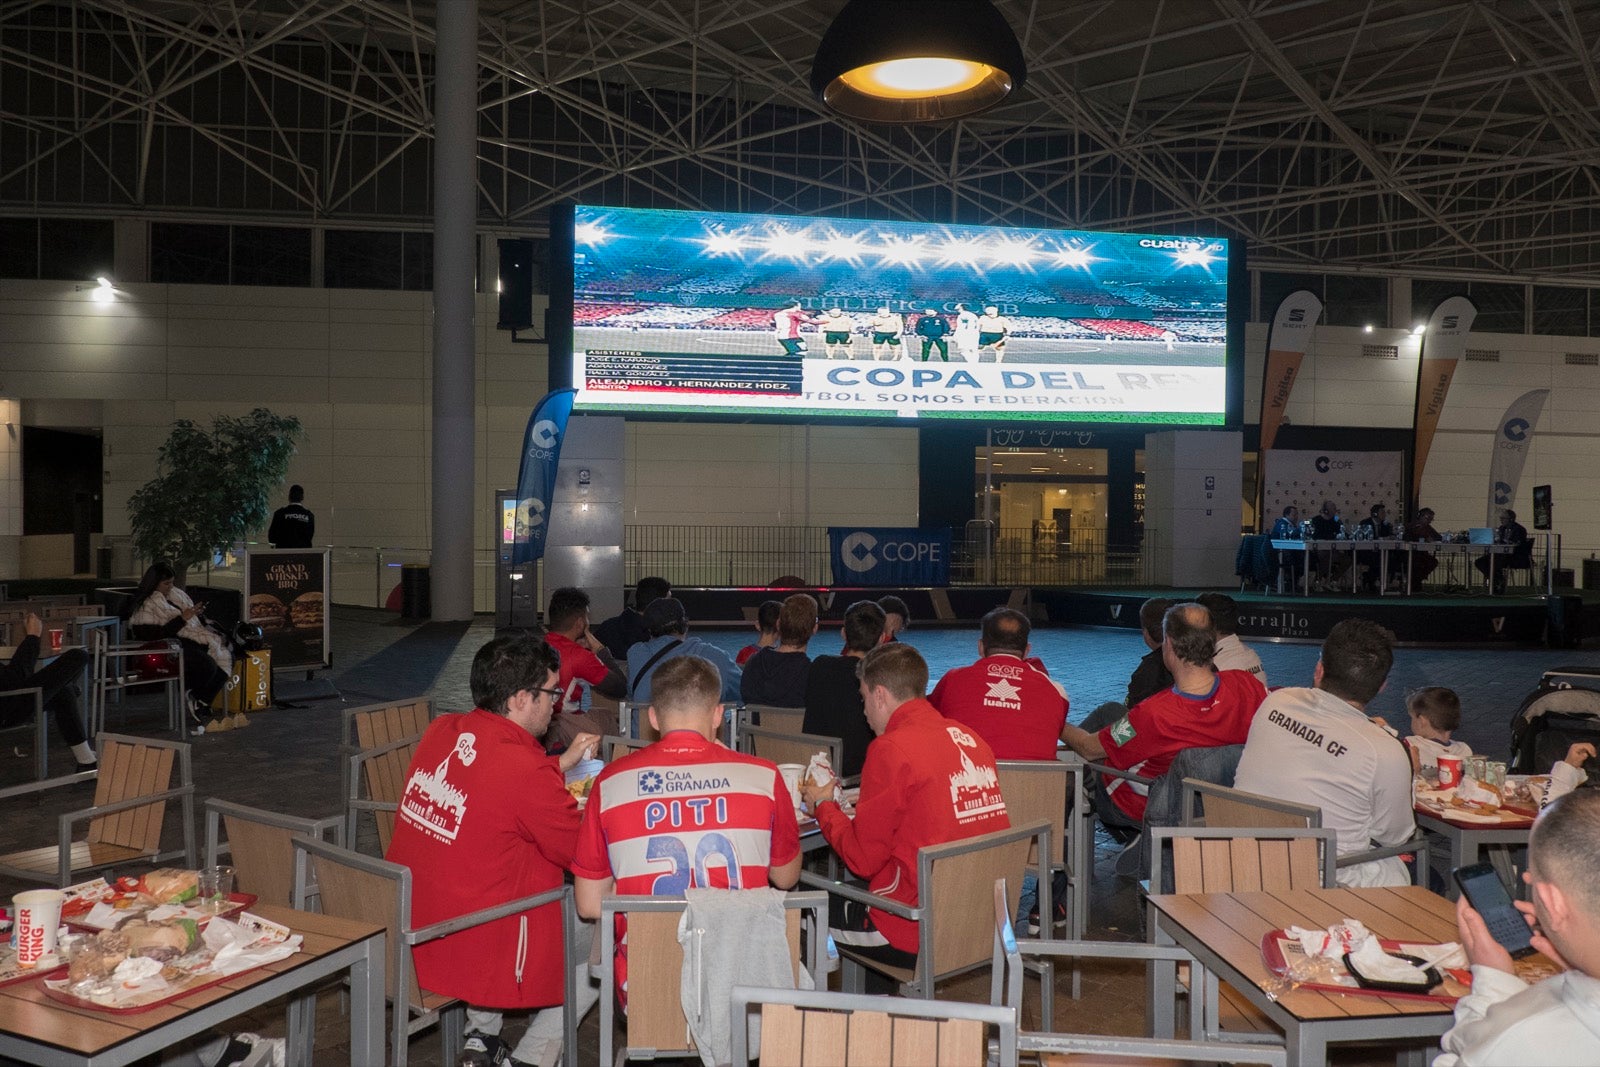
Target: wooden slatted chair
612, 748
655, 1022
633, 721
769, 717
375, 725
1035, 790
259, 846
111, 667
804, 1028
1237, 860
133, 789
352, 886
1209, 804
1011, 957
954, 880
375, 780
777, 746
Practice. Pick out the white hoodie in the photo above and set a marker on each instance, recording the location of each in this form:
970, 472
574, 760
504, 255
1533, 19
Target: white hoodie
1508, 1023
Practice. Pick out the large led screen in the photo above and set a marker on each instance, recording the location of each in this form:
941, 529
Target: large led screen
677, 312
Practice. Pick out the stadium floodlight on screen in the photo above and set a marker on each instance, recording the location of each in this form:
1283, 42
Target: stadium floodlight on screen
707, 314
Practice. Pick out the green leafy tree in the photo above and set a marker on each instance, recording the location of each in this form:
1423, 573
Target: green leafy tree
211, 486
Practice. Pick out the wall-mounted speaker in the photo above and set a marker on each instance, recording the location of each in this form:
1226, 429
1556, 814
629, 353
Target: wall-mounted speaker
516, 283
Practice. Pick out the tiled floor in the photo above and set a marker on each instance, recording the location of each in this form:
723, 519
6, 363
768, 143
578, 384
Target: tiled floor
286, 760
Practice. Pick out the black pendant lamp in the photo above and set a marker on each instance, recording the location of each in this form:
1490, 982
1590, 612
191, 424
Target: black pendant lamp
905, 61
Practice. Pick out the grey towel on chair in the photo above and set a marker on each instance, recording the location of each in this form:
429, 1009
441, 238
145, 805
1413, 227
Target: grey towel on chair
729, 938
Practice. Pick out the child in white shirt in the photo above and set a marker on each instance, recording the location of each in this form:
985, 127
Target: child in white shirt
1435, 714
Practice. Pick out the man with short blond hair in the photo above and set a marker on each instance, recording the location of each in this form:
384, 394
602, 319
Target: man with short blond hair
776, 677
926, 781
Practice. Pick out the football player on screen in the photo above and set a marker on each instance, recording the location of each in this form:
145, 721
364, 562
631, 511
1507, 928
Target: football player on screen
993, 329
966, 335
786, 325
836, 330
886, 330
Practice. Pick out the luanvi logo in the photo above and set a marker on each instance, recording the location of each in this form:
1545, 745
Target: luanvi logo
1116, 611
1498, 622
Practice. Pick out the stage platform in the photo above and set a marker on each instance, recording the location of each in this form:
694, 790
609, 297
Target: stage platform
1441, 620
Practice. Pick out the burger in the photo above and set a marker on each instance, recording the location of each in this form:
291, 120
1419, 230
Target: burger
268, 612
306, 612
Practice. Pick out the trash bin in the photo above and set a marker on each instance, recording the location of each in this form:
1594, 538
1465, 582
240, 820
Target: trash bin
1561, 577
1591, 573
1564, 625
102, 563
416, 597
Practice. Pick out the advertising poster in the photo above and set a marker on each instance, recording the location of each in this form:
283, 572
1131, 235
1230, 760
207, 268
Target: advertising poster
890, 556
286, 594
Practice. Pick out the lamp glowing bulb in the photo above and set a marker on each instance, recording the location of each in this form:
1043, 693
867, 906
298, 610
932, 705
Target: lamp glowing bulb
1420, 329
103, 292
1367, 328
904, 79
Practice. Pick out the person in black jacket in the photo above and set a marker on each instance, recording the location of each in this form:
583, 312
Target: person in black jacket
932, 328
57, 680
621, 632
293, 525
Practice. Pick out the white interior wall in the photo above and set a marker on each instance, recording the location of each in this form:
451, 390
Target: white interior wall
353, 366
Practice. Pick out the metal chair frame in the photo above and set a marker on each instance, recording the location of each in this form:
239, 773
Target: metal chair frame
103, 654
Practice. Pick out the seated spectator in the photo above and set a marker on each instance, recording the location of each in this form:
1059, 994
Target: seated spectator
1012, 705
1435, 714
1420, 529
926, 781
517, 842
584, 660
1318, 747
622, 631
1203, 709
668, 624
896, 616
1232, 653
833, 691
58, 681
776, 677
766, 631
1375, 527
1513, 533
637, 840
1149, 677
1566, 774
1554, 1022
160, 609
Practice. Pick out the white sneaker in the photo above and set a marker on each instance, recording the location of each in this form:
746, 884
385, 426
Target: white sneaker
253, 1050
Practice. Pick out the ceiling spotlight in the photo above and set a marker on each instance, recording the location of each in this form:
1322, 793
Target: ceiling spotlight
101, 292
906, 61
1420, 328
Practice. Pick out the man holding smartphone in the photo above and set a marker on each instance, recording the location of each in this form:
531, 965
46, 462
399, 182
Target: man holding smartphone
1506, 1021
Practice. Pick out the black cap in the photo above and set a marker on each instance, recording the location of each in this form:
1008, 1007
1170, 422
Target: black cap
664, 615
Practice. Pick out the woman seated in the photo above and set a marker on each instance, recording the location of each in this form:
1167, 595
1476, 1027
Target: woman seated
160, 609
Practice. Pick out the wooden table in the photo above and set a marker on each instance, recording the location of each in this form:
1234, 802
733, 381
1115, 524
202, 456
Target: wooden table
38, 1030
1466, 841
1223, 931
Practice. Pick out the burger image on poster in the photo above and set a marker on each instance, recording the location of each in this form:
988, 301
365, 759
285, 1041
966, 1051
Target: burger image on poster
306, 612
268, 612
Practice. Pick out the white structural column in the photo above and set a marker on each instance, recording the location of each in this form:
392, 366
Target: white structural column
10, 486
1193, 506
455, 209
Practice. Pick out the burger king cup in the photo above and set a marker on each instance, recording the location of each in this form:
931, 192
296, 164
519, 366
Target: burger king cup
1450, 772
37, 916
792, 773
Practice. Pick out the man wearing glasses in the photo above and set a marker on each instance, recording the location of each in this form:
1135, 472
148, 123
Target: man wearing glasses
486, 818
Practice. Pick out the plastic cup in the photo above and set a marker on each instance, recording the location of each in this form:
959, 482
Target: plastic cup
792, 773
1477, 768
1495, 775
1449, 772
37, 916
57, 638
215, 883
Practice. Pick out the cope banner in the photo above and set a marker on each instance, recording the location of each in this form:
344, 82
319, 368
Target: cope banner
286, 594
888, 555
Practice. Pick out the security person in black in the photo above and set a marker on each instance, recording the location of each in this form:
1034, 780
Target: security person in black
293, 525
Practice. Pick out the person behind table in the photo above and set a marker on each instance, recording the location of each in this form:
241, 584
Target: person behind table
776, 677
1232, 654
485, 818
1318, 747
1375, 527
1203, 709
766, 630
1287, 528
1002, 698
833, 692
1420, 529
926, 781
59, 681
896, 617
669, 638
1327, 526
1435, 713
1503, 1020
293, 525
745, 812
1509, 532
584, 661
157, 609
933, 329
626, 629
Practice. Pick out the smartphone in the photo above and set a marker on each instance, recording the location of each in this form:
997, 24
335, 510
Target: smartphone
1488, 897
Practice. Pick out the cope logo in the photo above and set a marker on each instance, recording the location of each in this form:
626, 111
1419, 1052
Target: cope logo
1515, 430
855, 552
543, 440
1324, 464
1502, 493
530, 513
650, 782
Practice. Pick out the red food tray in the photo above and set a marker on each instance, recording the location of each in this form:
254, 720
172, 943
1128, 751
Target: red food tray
1272, 956
1521, 819
177, 992
237, 902
28, 976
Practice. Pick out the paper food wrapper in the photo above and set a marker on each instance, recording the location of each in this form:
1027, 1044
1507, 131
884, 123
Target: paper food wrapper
1333, 942
1472, 791
819, 771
